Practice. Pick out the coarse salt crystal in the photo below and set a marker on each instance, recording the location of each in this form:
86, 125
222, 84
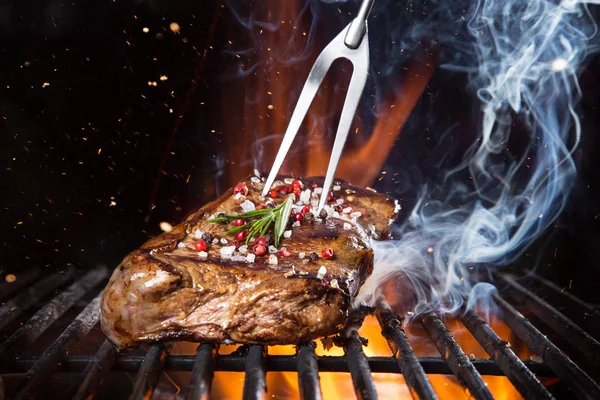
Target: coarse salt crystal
250, 258
318, 220
272, 249
347, 226
356, 214
254, 179
296, 224
318, 190
256, 173
336, 188
287, 234
238, 258
336, 214
181, 245
288, 180
227, 250
203, 254
261, 198
198, 234
272, 259
334, 283
305, 196
291, 273
299, 203
224, 241
314, 201
243, 249
339, 201
238, 196
215, 241
301, 255
347, 210
247, 206
322, 272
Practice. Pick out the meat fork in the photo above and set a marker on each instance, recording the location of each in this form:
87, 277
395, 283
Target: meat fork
351, 43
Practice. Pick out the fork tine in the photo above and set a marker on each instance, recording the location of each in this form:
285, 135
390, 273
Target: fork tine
313, 82
355, 89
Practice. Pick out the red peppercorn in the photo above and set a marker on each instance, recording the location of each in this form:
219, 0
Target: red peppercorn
284, 253
285, 190
305, 210
260, 250
239, 222
259, 207
261, 241
274, 193
241, 235
240, 188
314, 186
297, 184
298, 217
327, 253
329, 196
200, 245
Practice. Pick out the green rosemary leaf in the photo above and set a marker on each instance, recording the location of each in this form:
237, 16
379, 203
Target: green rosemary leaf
283, 216
236, 229
266, 226
253, 213
221, 219
254, 228
258, 222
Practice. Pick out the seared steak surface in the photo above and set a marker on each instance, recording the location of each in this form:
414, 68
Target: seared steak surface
168, 290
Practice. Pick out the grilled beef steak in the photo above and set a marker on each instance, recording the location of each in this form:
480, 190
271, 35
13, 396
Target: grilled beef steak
167, 289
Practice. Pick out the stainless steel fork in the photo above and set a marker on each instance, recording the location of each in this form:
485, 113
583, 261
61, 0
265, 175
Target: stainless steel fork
351, 43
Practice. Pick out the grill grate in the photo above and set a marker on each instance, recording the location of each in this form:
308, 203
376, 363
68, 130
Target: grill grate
23, 376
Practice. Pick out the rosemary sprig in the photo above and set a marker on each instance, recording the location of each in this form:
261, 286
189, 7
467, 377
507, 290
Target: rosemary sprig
258, 222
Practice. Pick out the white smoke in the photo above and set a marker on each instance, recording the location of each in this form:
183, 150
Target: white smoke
528, 54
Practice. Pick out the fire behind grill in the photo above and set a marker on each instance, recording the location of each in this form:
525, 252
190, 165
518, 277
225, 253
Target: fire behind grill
34, 351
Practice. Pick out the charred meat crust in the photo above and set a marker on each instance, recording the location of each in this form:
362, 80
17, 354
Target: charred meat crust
163, 291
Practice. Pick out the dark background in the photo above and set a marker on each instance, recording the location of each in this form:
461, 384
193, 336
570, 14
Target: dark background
84, 135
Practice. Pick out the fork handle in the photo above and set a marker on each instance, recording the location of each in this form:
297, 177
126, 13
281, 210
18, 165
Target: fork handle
357, 28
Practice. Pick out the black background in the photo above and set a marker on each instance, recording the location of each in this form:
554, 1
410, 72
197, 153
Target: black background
80, 127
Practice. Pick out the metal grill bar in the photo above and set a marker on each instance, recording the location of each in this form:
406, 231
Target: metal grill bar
202, 374
17, 305
23, 280
47, 363
360, 371
237, 362
308, 373
414, 375
577, 337
582, 312
96, 370
255, 384
457, 360
523, 379
149, 373
38, 324
560, 363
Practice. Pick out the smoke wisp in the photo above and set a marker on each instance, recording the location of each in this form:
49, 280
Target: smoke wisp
527, 55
